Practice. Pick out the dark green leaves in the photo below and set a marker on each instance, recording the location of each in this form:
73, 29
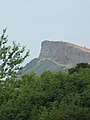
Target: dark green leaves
50, 96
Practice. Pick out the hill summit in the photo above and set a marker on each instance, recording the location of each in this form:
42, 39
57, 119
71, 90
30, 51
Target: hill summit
64, 52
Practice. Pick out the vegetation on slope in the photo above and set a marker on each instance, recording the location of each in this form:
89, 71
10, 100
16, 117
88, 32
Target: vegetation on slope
41, 65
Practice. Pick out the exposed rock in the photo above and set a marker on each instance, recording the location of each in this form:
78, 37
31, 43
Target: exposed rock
64, 53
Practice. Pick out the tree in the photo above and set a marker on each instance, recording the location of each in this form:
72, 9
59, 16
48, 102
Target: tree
78, 67
11, 57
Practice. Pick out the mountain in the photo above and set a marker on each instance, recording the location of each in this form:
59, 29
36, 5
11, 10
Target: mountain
56, 56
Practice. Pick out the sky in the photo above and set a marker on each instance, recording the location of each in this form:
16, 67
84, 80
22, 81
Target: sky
29, 22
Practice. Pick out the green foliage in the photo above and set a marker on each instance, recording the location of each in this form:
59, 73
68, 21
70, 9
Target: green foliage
50, 96
11, 57
78, 67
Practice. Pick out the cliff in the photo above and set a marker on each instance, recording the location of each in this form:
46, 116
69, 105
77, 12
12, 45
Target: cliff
64, 53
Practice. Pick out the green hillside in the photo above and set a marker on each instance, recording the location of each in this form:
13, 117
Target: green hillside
40, 65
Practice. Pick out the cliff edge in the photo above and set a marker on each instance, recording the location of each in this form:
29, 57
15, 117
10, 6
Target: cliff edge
64, 52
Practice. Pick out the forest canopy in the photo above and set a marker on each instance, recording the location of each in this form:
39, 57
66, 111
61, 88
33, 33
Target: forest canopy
49, 96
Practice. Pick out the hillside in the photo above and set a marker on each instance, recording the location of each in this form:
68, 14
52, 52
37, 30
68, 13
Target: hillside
40, 65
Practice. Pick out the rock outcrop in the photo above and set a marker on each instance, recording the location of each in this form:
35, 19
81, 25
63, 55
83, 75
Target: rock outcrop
64, 53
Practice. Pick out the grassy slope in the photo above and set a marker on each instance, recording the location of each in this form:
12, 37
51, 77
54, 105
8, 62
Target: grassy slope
41, 65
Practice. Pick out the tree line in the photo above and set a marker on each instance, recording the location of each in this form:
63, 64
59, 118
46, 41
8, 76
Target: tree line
49, 96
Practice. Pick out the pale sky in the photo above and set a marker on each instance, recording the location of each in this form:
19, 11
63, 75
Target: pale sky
29, 22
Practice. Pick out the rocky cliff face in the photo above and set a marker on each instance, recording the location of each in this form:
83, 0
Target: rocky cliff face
64, 53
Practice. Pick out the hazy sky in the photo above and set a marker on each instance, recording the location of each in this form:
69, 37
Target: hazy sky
29, 22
